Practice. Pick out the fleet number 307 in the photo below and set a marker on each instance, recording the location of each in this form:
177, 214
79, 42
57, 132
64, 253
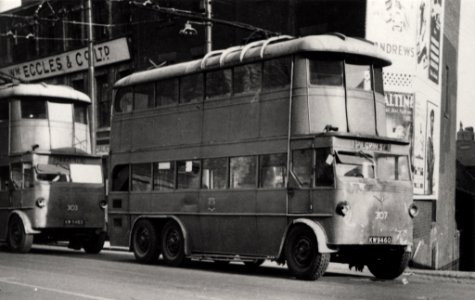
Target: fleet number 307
381, 215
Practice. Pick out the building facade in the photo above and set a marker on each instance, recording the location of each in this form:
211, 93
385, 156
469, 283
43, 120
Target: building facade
421, 36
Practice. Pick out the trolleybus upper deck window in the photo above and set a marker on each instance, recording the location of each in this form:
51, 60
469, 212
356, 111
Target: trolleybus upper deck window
276, 73
191, 88
378, 80
218, 83
166, 92
247, 78
358, 76
33, 109
326, 72
124, 100
144, 95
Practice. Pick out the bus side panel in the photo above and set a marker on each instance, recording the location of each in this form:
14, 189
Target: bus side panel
274, 113
271, 221
381, 114
228, 221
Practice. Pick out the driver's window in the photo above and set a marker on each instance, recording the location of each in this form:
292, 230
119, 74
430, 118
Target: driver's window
324, 167
27, 176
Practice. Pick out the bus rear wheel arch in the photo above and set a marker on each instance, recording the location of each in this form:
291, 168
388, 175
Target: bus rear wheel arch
18, 240
301, 252
173, 244
145, 242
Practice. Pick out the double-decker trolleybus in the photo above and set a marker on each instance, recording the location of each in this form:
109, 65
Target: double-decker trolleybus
275, 150
51, 187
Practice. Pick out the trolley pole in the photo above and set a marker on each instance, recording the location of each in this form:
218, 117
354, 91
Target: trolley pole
209, 26
91, 81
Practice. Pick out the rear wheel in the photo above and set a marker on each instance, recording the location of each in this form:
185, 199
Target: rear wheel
18, 240
95, 243
390, 264
145, 242
173, 244
303, 258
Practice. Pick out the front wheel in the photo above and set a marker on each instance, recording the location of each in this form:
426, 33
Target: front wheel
173, 244
389, 264
145, 242
301, 252
18, 240
95, 243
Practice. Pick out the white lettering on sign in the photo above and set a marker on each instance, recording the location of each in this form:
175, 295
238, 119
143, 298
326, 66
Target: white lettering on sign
104, 54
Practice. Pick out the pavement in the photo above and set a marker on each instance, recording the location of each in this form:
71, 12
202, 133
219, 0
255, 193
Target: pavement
453, 276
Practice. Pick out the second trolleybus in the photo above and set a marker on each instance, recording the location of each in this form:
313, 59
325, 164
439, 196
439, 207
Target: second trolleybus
51, 187
275, 150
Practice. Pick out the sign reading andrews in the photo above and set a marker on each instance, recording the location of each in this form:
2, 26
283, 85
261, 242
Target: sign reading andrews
77, 60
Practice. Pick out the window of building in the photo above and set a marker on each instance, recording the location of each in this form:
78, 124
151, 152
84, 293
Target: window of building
4, 111
326, 72
218, 83
276, 73
243, 172
247, 78
188, 174
324, 175
141, 177
34, 109
358, 77
80, 113
166, 92
164, 176
120, 178
302, 167
191, 88
124, 99
215, 173
273, 170
144, 95
103, 101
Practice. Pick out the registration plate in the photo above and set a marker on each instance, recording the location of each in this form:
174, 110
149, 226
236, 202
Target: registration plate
380, 240
77, 222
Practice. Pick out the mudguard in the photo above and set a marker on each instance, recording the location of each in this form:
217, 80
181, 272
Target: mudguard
26, 221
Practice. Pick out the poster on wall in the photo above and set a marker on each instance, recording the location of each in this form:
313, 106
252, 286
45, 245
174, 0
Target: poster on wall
432, 140
399, 115
391, 25
419, 146
429, 39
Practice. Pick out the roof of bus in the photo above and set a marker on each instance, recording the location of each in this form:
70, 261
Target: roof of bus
42, 90
265, 49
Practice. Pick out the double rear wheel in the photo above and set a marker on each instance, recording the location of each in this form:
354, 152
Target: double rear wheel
145, 242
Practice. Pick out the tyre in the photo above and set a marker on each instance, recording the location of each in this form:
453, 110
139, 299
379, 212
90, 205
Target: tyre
95, 243
254, 263
173, 244
145, 242
390, 264
18, 240
301, 252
